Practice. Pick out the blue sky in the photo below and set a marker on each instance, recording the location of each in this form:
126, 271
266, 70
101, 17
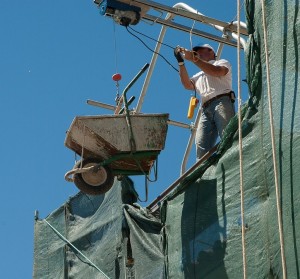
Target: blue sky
54, 56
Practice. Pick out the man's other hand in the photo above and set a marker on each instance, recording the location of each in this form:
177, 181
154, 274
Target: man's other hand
177, 54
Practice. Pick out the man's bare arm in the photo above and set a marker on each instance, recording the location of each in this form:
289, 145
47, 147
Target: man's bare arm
184, 77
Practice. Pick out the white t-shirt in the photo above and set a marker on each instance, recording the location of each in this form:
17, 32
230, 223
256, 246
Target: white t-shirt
209, 86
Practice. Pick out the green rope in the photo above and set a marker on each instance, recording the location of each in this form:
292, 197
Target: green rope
77, 250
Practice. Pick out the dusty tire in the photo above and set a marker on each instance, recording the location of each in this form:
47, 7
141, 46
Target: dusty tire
93, 183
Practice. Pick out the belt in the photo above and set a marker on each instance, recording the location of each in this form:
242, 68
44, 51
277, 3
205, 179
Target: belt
207, 103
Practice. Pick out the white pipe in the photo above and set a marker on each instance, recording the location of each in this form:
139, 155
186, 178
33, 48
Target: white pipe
190, 143
219, 51
242, 24
187, 13
101, 105
179, 124
152, 65
242, 41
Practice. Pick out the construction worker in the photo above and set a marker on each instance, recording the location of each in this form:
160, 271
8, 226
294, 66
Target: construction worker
214, 84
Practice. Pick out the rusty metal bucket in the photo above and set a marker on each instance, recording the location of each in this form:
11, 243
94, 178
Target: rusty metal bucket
107, 139
106, 136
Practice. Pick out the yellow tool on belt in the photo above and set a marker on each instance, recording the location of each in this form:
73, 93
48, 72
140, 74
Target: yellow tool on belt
193, 104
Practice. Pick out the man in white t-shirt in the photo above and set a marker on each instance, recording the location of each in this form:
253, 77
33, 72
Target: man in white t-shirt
214, 84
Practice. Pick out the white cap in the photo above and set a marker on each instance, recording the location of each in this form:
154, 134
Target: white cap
195, 48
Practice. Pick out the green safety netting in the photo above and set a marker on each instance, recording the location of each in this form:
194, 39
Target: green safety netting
199, 232
110, 232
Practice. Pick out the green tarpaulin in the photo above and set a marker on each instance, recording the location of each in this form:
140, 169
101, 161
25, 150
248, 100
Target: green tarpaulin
109, 230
